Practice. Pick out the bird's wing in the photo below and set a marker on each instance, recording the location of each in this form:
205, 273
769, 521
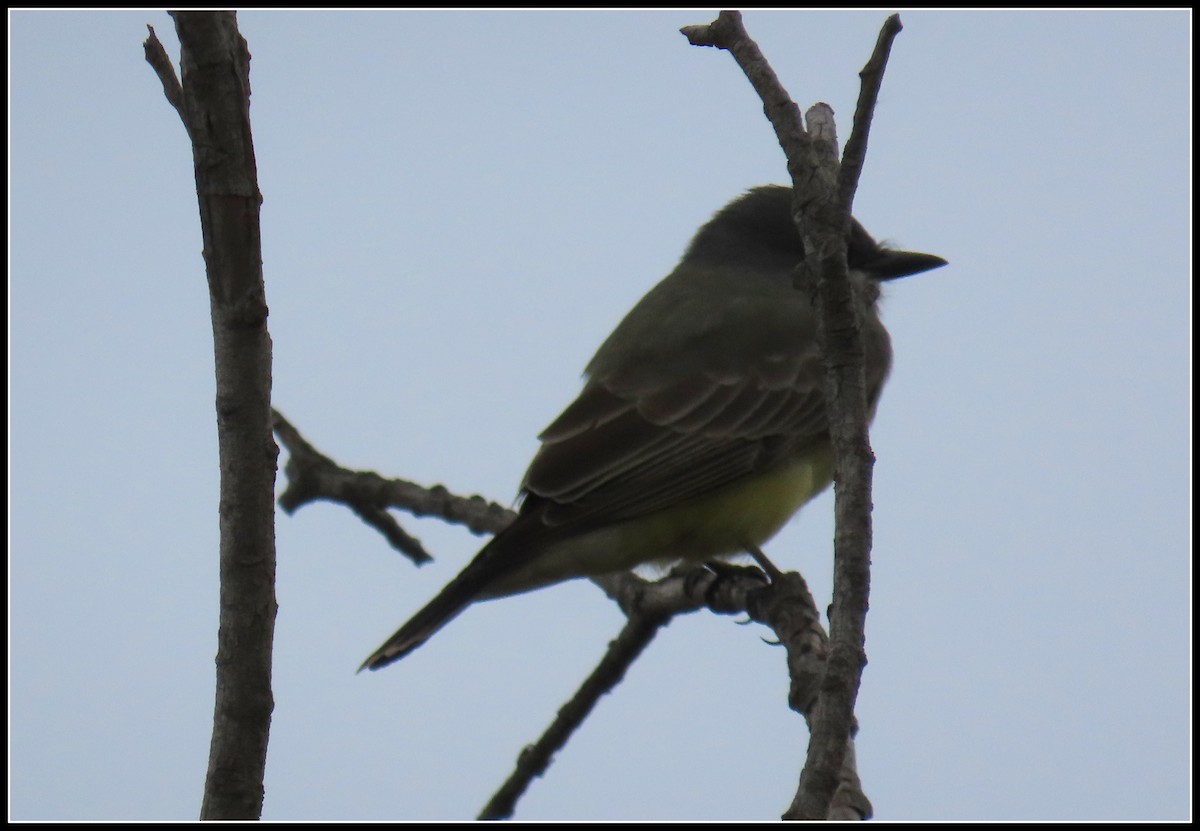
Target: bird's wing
618, 453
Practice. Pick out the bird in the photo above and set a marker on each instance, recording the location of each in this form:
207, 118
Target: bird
701, 427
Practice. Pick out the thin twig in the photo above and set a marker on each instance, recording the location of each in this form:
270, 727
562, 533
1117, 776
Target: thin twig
871, 76
156, 56
533, 761
311, 476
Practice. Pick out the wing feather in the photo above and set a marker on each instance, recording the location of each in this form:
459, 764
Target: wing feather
615, 456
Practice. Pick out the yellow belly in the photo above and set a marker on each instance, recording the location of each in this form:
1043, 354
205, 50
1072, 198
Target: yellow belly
747, 513
727, 522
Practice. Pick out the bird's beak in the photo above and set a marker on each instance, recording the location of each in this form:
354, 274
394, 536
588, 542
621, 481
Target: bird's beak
890, 265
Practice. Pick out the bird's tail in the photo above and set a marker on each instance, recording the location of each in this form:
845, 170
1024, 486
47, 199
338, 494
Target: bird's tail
486, 576
458, 594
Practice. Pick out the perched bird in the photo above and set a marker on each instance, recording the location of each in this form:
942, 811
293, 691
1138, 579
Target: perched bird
701, 427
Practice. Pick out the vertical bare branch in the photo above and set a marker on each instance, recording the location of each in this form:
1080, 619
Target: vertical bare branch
823, 193
214, 102
833, 719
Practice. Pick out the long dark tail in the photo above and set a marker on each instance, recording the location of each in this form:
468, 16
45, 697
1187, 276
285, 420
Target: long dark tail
458, 594
484, 577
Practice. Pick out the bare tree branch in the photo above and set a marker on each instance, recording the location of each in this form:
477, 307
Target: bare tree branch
157, 57
214, 102
313, 476
833, 719
533, 761
824, 193
871, 75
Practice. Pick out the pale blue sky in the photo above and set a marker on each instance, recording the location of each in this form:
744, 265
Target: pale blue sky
458, 207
